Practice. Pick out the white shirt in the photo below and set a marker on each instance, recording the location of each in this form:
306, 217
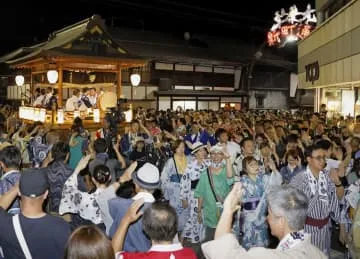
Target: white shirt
92, 99
148, 197
72, 103
39, 100
233, 149
102, 199
47, 98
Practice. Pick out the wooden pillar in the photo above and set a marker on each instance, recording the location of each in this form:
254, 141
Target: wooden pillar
60, 86
32, 90
118, 86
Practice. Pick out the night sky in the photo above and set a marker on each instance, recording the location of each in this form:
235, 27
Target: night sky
24, 23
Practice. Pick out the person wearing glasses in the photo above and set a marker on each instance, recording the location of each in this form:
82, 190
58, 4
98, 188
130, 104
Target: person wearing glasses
322, 190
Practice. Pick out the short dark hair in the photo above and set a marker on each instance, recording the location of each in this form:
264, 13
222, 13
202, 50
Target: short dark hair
100, 145
247, 160
219, 131
183, 121
59, 151
243, 141
264, 145
309, 150
292, 138
160, 222
292, 152
11, 157
324, 143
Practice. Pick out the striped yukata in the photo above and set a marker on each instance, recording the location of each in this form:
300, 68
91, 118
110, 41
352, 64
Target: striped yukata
320, 207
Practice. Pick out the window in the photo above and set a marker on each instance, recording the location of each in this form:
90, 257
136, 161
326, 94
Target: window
184, 87
259, 102
185, 105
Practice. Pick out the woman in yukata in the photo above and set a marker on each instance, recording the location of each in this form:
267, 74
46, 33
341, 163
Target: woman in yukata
256, 184
171, 175
193, 229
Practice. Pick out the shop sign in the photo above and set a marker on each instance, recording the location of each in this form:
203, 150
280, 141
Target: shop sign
312, 72
291, 26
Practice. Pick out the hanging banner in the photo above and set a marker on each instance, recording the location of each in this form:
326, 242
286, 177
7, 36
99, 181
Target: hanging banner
291, 26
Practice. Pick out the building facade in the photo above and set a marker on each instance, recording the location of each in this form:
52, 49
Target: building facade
329, 59
199, 73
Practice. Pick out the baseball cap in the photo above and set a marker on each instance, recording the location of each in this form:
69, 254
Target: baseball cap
34, 182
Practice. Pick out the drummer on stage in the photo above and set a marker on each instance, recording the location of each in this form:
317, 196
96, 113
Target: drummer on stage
74, 102
85, 101
93, 97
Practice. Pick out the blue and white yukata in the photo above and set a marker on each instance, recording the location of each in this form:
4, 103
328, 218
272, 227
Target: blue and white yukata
254, 208
193, 229
253, 218
170, 185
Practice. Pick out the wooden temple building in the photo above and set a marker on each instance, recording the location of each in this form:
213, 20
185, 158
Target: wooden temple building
74, 52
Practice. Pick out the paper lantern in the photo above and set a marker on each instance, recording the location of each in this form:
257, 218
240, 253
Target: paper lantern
76, 114
60, 116
42, 115
36, 114
96, 115
135, 79
52, 76
128, 115
21, 112
19, 80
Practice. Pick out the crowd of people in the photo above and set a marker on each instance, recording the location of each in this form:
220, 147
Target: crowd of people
184, 184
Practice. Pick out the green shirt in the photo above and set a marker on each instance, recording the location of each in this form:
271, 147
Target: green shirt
203, 190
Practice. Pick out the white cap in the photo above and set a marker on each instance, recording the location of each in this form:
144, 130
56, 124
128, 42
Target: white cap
217, 149
147, 177
196, 146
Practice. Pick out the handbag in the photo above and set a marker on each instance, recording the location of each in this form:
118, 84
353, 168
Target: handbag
219, 201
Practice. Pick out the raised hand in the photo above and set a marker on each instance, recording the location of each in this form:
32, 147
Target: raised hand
232, 201
134, 213
83, 163
128, 173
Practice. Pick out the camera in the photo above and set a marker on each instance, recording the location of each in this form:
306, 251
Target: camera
116, 114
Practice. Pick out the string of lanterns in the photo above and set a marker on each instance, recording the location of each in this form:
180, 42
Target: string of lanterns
52, 77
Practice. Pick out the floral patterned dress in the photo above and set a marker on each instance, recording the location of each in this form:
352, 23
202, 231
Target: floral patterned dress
192, 228
170, 185
254, 226
77, 202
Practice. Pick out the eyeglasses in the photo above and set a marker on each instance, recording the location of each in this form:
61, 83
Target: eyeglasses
319, 158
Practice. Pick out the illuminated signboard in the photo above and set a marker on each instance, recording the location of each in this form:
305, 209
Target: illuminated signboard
291, 26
